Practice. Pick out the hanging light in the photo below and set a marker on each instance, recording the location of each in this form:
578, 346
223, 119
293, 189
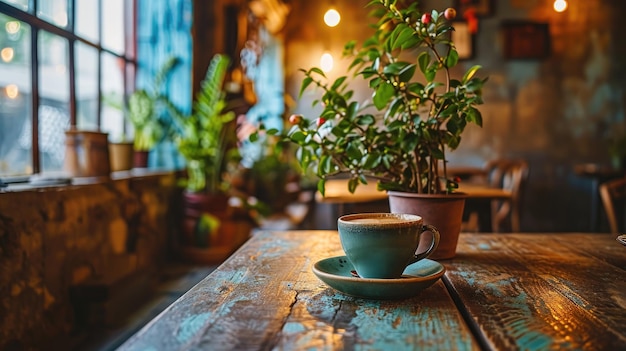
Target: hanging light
332, 17
326, 62
560, 5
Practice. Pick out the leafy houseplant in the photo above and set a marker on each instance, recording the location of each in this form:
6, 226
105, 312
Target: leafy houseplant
205, 138
401, 137
145, 107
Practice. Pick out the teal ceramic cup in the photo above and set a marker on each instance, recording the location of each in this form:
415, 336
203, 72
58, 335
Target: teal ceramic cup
382, 245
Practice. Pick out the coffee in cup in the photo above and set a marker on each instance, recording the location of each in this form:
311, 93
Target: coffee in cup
382, 245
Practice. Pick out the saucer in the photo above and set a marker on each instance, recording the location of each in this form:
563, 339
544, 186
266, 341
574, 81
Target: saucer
336, 273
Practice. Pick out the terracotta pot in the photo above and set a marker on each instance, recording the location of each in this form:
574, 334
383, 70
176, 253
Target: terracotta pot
140, 158
212, 243
444, 211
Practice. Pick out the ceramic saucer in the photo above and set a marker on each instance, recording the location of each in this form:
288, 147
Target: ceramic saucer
336, 273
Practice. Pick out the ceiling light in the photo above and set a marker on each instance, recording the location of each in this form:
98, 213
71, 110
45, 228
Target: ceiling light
332, 17
560, 5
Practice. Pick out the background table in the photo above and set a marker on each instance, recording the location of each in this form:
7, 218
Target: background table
502, 291
479, 197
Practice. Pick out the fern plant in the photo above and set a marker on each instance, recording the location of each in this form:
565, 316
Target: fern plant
205, 138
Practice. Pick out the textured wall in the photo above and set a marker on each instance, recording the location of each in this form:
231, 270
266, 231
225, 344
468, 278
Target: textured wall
555, 112
53, 239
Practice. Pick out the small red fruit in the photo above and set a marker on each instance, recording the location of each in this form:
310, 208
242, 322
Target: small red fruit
449, 13
427, 18
320, 121
295, 119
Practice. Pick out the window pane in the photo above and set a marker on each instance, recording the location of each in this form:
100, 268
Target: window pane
20, 4
54, 11
54, 96
15, 89
87, 20
113, 25
86, 87
112, 92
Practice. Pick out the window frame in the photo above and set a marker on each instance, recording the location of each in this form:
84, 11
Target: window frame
37, 24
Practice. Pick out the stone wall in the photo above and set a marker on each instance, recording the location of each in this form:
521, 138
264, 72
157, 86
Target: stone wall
59, 244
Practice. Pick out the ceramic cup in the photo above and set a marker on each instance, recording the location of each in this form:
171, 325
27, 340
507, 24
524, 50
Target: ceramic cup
381, 245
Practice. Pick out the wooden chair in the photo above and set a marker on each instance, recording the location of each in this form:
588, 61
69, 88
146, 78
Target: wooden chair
510, 175
613, 194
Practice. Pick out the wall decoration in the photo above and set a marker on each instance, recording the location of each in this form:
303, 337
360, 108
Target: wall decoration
463, 39
524, 40
480, 8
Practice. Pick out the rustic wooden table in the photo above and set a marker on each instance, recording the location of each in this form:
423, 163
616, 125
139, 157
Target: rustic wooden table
501, 292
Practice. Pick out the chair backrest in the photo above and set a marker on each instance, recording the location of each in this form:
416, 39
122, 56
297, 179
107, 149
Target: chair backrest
511, 175
613, 194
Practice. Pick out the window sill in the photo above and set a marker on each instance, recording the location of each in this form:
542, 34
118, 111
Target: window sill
136, 173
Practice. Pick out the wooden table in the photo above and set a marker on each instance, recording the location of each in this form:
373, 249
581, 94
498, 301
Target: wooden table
501, 292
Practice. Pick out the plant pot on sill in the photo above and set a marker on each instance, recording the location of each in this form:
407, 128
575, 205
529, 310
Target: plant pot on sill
211, 230
140, 158
121, 155
444, 211
87, 153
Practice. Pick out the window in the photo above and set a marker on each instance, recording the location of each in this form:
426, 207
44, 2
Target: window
63, 63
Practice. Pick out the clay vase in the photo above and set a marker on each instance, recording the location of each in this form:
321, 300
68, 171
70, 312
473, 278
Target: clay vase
444, 211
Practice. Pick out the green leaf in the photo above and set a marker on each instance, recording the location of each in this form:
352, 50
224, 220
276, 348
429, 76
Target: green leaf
338, 82
318, 71
366, 120
406, 73
352, 184
305, 83
298, 137
452, 59
325, 164
384, 92
470, 73
321, 186
423, 60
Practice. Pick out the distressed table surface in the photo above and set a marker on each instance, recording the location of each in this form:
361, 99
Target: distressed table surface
502, 291
542, 291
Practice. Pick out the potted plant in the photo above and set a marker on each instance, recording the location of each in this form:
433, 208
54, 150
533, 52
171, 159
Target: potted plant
144, 110
206, 139
417, 114
269, 187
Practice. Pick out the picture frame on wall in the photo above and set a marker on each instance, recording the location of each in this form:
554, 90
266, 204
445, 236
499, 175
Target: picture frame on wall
481, 8
463, 40
525, 40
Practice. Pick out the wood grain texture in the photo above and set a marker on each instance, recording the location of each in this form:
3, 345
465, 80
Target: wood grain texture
265, 297
542, 291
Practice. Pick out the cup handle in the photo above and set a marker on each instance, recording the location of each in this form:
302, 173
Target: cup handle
433, 244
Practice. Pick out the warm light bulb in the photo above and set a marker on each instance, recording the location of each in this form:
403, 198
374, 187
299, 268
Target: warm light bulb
560, 5
326, 62
332, 17
12, 27
7, 54
12, 91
